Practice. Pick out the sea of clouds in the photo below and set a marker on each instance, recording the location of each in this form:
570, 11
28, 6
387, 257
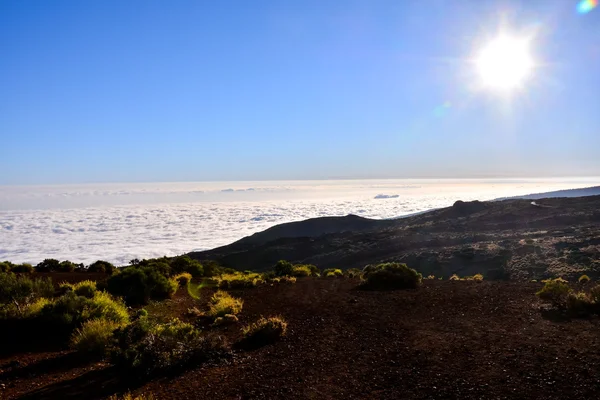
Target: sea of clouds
119, 222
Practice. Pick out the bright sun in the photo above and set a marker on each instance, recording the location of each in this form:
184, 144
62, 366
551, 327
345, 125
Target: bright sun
505, 63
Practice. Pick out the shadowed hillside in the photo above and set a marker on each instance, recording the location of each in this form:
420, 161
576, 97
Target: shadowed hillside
514, 239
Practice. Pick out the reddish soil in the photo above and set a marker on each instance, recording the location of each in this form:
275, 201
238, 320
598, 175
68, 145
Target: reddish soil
445, 340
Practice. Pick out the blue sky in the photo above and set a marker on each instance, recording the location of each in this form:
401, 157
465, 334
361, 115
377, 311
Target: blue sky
122, 91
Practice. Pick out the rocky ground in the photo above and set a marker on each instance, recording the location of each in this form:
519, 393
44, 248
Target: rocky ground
515, 239
462, 340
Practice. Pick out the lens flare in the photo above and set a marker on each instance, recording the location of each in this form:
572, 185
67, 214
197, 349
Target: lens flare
585, 6
441, 110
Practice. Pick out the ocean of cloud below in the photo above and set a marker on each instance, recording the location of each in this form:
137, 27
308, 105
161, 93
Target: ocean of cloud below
159, 224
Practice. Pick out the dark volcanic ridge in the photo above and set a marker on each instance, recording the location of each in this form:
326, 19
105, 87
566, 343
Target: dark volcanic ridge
514, 239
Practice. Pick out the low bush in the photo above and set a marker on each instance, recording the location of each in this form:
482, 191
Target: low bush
595, 294
584, 279
579, 304
66, 266
333, 273
48, 265
186, 264
430, 277
223, 303
392, 276
455, 277
555, 291
85, 288
71, 310
138, 285
283, 268
148, 348
129, 396
194, 312
264, 331
353, 273
226, 319
476, 277
18, 292
6, 266
22, 268
64, 287
267, 276
239, 280
183, 279
161, 265
300, 271
287, 279
94, 336
101, 266
36, 307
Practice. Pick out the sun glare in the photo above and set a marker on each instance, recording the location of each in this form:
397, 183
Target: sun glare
505, 63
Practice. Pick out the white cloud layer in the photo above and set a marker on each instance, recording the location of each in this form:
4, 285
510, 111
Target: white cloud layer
120, 222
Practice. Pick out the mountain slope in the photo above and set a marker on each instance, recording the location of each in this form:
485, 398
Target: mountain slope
513, 238
589, 191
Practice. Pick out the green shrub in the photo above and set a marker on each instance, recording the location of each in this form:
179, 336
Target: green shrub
22, 268
138, 285
314, 270
187, 264
223, 303
267, 276
333, 273
34, 309
584, 279
287, 279
264, 331
226, 319
478, 277
555, 291
283, 268
353, 273
392, 276
175, 329
238, 280
129, 396
301, 271
73, 310
6, 266
147, 347
64, 287
194, 312
211, 268
85, 288
595, 294
66, 266
18, 292
101, 266
455, 277
230, 319
183, 279
48, 265
579, 304
94, 336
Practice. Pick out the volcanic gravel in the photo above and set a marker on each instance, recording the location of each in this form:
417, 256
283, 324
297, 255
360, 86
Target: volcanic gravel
445, 340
